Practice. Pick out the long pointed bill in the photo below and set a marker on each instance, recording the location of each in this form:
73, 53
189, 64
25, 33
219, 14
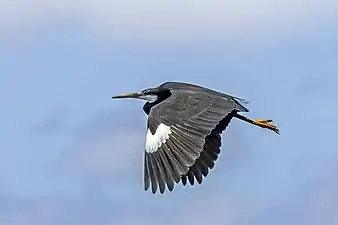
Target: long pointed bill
129, 95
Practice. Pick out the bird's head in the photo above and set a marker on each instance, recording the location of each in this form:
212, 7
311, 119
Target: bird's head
151, 95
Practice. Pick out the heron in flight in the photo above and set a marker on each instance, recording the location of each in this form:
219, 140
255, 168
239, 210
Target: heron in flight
184, 127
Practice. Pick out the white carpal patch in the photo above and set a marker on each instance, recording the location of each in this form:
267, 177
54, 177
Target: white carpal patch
154, 141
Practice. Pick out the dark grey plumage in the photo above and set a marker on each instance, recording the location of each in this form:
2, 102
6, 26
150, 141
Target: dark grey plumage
197, 116
194, 143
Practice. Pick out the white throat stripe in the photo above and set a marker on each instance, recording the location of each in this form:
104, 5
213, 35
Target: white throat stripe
149, 98
153, 142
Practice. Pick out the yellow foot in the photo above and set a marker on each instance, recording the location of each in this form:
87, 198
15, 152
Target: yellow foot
266, 124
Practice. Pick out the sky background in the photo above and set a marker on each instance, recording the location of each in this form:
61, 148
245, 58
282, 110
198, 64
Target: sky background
70, 155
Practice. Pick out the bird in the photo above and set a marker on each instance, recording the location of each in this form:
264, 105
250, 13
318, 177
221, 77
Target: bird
184, 126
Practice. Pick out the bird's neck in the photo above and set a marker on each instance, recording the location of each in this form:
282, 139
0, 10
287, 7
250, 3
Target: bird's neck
163, 95
147, 107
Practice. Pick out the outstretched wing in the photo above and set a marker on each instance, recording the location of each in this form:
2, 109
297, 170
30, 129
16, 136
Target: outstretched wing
209, 155
177, 128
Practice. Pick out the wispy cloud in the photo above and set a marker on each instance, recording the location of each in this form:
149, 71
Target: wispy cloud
54, 123
106, 147
317, 85
314, 202
176, 20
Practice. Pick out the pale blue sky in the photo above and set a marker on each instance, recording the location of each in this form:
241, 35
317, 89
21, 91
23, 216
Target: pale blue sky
71, 155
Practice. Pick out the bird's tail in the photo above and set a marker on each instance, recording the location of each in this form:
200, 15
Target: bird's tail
240, 103
243, 101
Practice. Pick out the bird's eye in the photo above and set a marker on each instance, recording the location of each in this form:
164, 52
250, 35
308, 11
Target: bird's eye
147, 91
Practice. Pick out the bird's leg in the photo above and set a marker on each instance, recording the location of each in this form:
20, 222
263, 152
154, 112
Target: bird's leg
261, 123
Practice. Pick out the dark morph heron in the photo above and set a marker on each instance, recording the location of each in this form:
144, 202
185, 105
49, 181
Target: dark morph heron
184, 128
